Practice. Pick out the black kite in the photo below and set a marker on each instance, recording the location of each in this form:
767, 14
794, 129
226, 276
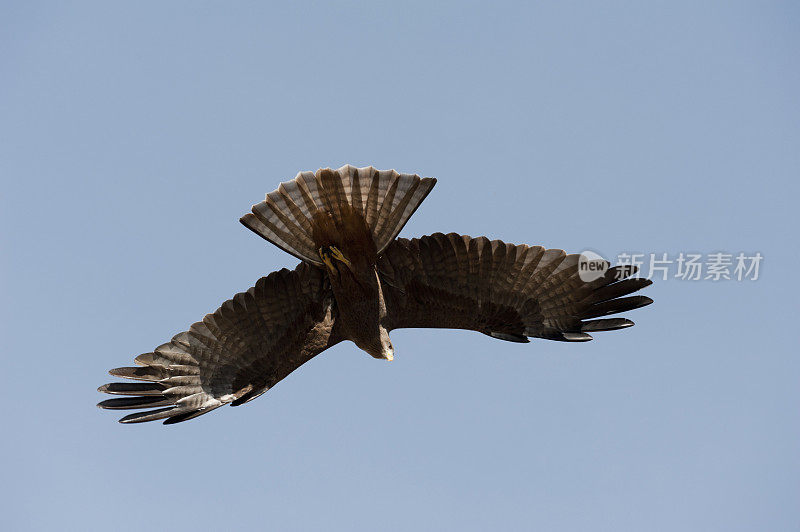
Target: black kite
357, 282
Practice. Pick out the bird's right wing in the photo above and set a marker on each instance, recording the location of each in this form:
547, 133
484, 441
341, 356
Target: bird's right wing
507, 291
235, 354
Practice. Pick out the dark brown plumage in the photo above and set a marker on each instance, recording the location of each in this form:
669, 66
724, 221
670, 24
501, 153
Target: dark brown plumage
357, 282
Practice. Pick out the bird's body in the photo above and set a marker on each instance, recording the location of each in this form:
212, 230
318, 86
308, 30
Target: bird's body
350, 259
357, 282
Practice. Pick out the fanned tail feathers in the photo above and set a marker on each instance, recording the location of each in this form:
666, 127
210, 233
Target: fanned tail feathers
385, 198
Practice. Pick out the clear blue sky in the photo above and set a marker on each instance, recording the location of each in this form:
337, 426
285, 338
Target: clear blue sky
133, 136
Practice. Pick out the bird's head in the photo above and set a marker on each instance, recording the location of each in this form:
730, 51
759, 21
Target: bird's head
387, 351
382, 349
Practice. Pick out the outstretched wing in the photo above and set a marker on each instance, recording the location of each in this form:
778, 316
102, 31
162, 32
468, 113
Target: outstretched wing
235, 354
507, 291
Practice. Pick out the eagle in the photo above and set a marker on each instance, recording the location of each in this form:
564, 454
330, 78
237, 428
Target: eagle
358, 281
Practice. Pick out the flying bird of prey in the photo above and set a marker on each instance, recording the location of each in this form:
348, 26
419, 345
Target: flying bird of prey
357, 281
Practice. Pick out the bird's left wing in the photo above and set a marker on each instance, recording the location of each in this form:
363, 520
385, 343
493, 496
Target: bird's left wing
235, 354
506, 291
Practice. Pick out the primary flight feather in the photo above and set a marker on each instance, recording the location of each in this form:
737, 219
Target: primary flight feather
357, 281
